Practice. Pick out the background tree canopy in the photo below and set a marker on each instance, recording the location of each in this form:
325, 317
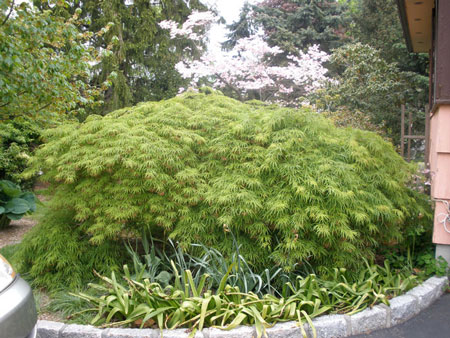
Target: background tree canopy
294, 24
373, 34
376, 23
366, 82
144, 56
45, 64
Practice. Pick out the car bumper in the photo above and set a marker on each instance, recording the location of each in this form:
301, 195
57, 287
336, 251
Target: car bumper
17, 311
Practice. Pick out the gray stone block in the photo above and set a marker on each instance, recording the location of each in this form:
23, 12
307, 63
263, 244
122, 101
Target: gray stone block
80, 331
441, 283
426, 294
388, 314
182, 333
47, 329
239, 332
403, 308
332, 326
288, 330
132, 333
369, 320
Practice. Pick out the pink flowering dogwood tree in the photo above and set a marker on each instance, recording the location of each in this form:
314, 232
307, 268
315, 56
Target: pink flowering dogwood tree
191, 27
249, 69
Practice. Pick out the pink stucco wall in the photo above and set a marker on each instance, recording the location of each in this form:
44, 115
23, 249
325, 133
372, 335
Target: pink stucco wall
440, 169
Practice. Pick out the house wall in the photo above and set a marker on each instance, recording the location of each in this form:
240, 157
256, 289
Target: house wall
441, 92
440, 171
434, 16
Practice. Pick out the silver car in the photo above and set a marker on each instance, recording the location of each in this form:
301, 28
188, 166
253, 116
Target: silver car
17, 308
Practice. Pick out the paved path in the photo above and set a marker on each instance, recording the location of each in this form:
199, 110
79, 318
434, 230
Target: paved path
433, 322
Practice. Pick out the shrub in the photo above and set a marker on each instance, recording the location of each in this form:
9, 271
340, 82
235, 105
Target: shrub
56, 253
292, 187
18, 138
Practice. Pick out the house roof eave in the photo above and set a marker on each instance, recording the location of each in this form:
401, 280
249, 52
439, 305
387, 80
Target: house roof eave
416, 17
404, 21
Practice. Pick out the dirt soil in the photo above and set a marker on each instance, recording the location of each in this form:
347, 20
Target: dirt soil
43, 314
14, 233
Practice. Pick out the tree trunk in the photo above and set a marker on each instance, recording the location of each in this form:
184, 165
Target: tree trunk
4, 221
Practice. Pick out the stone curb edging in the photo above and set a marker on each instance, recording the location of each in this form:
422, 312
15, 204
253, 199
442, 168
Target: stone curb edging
381, 316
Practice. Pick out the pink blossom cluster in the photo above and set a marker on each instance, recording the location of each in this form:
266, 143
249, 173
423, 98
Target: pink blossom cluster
249, 66
187, 30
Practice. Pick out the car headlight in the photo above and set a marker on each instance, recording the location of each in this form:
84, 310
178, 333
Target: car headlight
7, 273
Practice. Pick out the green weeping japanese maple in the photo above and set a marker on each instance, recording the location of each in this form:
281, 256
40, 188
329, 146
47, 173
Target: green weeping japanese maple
288, 185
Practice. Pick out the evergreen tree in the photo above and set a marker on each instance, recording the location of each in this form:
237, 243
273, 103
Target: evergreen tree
244, 27
295, 24
144, 55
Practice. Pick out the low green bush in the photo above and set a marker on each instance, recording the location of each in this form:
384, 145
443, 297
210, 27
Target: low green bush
429, 265
292, 187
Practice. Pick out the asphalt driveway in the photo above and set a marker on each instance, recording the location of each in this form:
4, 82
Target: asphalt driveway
433, 322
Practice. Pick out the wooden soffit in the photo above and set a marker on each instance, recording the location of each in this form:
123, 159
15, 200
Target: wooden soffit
417, 22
